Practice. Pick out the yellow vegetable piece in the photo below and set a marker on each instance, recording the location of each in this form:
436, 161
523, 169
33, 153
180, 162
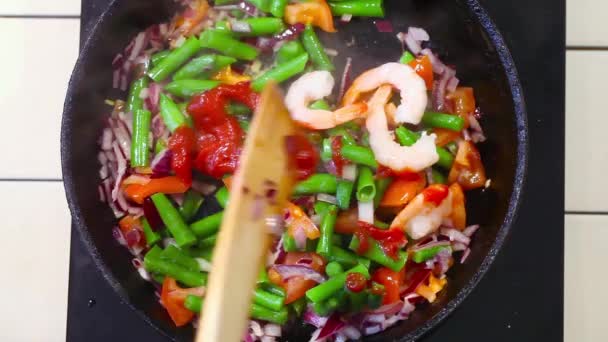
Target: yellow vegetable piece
434, 286
227, 76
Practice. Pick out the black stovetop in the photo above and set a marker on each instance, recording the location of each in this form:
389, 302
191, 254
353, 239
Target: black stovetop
521, 297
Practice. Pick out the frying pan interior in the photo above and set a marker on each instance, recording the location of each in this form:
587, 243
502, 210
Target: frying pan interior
461, 34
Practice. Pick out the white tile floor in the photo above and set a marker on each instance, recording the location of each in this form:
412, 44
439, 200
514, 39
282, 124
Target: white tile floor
43, 266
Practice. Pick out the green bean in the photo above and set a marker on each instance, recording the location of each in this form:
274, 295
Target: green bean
381, 225
274, 289
361, 8
222, 196
326, 149
262, 276
377, 254
341, 131
227, 45
154, 263
159, 56
178, 257
207, 226
409, 138
281, 72
381, 186
264, 314
134, 101
289, 243
321, 207
188, 88
441, 120
193, 303
425, 254
244, 125
277, 7
357, 301
327, 231
263, 26
140, 143
192, 203
235, 108
151, 236
359, 155
223, 26
438, 177
366, 188
325, 290
199, 65
268, 300
157, 277
298, 306
321, 308
175, 59
289, 51
223, 2
317, 183
203, 253
315, 49
173, 221
344, 193
333, 268
346, 258
319, 104
170, 113
160, 145
406, 58
262, 5
208, 242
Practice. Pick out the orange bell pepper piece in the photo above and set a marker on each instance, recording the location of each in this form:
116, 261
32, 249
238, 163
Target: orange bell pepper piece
167, 185
445, 136
459, 213
434, 286
401, 191
316, 13
172, 298
464, 102
129, 223
227, 76
296, 287
467, 170
187, 22
423, 67
299, 220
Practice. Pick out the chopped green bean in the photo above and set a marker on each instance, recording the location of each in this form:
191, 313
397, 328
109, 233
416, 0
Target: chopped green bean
235, 108
207, 226
438, 177
281, 72
262, 26
202, 64
328, 222
208, 242
151, 236
346, 258
159, 56
264, 314
173, 221
140, 142
326, 149
188, 88
175, 59
178, 257
134, 101
262, 5
155, 264
366, 188
361, 8
317, 183
192, 203
274, 289
289, 243
222, 196
344, 193
425, 254
171, 114
268, 300
409, 138
359, 155
227, 45
289, 51
333, 268
406, 58
277, 7
381, 186
319, 104
377, 254
193, 303
441, 120
315, 49
334, 284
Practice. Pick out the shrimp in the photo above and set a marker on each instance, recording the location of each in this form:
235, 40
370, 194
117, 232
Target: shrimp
315, 86
403, 77
386, 150
435, 206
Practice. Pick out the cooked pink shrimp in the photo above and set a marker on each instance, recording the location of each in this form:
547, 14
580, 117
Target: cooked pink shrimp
386, 150
435, 206
314, 86
401, 76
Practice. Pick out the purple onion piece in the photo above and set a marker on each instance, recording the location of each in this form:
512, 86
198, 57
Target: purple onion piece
161, 164
383, 25
151, 214
290, 271
333, 325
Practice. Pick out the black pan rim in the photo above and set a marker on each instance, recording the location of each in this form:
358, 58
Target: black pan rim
521, 122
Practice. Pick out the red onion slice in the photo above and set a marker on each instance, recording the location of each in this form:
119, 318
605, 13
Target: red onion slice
161, 163
418, 34
455, 235
345, 79
333, 325
312, 318
290, 271
383, 26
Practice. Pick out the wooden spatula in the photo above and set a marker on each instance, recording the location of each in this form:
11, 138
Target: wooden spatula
259, 189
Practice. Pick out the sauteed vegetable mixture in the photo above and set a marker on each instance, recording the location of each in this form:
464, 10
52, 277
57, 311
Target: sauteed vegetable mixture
378, 215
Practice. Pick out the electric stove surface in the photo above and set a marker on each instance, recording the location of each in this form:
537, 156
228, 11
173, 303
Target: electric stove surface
521, 296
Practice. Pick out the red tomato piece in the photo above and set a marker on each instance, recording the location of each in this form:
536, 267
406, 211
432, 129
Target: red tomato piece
182, 143
392, 281
355, 282
435, 193
303, 157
